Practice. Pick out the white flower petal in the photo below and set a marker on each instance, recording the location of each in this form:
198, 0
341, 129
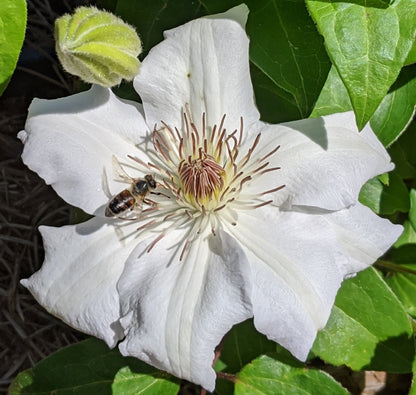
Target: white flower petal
77, 282
364, 236
176, 312
203, 64
324, 161
69, 142
299, 261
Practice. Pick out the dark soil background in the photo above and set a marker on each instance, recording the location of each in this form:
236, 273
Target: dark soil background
27, 332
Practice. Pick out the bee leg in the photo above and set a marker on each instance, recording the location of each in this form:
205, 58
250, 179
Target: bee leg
150, 202
160, 194
136, 209
128, 218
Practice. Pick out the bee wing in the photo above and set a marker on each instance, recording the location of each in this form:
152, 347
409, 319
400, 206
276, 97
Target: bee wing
118, 171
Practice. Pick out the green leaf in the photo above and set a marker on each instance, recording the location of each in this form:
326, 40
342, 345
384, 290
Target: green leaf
384, 178
128, 381
404, 286
397, 108
368, 328
89, 368
274, 103
224, 387
403, 153
12, 33
407, 237
153, 17
368, 42
289, 62
333, 98
243, 344
109, 5
78, 216
412, 390
385, 199
393, 114
404, 254
411, 56
287, 49
267, 375
412, 211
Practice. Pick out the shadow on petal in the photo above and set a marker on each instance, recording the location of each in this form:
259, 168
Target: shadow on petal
78, 103
89, 227
314, 129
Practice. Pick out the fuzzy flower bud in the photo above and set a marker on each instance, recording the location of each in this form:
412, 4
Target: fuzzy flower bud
97, 46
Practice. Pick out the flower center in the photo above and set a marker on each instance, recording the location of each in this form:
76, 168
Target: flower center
204, 177
201, 177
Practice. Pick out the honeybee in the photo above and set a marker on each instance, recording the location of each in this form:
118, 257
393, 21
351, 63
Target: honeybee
131, 198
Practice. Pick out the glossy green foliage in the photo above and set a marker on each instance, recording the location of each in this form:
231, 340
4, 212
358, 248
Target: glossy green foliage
368, 329
391, 117
404, 286
403, 153
368, 42
12, 33
385, 196
397, 107
291, 62
267, 375
243, 344
90, 367
403, 280
333, 98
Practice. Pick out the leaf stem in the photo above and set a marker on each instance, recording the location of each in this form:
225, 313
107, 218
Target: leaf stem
394, 267
218, 351
227, 376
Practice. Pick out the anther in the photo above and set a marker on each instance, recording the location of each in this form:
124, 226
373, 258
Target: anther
273, 190
154, 242
270, 153
147, 224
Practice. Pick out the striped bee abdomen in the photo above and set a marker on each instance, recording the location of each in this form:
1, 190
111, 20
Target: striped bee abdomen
120, 203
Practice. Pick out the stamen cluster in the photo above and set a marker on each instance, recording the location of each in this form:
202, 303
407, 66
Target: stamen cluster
201, 176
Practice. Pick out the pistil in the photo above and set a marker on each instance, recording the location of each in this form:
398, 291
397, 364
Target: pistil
201, 177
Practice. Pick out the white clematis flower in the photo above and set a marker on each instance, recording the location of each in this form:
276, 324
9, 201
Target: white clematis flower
247, 220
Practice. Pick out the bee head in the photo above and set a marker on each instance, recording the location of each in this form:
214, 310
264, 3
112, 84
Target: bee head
150, 181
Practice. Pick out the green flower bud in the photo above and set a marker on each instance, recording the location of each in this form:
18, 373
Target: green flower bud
97, 46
